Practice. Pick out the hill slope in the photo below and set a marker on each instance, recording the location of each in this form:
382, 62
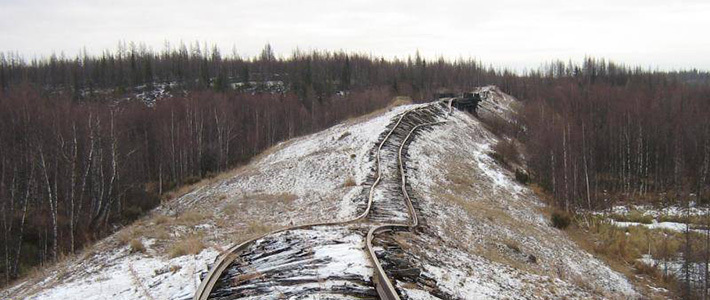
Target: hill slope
482, 234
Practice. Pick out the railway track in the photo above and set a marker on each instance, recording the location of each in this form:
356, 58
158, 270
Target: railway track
290, 261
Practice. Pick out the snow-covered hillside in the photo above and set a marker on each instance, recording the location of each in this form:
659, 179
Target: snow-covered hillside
483, 235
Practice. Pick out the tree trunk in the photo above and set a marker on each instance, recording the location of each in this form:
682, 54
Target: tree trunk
15, 270
586, 169
75, 154
52, 203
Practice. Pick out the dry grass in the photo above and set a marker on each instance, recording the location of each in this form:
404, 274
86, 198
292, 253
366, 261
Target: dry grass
161, 219
159, 232
648, 270
190, 218
256, 228
481, 208
350, 181
399, 101
396, 101
242, 170
182, 190
281, 197
620, 248
126, 235
512, 244
231, 209
189, 245
506, 152
492, 252
633, 216
410, 285
245, 277
137, 246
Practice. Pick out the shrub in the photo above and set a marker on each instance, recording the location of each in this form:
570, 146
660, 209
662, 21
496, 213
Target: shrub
131, 213
506, 152
561, 219
522, 176
191, 180
646, 269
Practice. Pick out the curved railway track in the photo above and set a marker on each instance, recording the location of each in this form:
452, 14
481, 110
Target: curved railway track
383, 286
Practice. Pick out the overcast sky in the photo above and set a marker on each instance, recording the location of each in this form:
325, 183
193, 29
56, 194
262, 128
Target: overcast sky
668, 34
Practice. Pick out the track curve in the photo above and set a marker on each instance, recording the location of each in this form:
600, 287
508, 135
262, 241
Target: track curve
384, 287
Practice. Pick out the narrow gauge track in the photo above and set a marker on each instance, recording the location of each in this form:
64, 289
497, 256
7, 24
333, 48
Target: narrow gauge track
301, 259
383, 285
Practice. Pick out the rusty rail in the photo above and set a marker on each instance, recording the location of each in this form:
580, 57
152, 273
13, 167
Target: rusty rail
228, 256
385, 288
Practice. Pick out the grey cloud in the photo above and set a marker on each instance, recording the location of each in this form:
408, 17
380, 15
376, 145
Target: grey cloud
519, 34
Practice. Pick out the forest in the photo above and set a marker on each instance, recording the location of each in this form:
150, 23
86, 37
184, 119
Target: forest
599, 135
79, 157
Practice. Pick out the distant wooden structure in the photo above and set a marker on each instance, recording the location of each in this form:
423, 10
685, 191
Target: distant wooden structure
468, 102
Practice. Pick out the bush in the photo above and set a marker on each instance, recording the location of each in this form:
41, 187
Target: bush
131, 213
561, 220
506, 152
522, 176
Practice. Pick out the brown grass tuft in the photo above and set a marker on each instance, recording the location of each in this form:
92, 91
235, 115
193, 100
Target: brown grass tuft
126, 235
190, 218
245, 277
189, 245
137, 246
258, 228
400, 100
161, 219
349, 182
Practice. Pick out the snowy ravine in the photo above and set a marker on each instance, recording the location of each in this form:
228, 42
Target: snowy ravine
483, 235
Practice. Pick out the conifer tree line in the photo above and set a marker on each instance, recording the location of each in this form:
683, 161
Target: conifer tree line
76, 163
315, 74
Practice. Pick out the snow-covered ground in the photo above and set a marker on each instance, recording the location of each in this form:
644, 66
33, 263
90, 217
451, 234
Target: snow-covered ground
656, 218
669, 211
483, 234
673, 226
